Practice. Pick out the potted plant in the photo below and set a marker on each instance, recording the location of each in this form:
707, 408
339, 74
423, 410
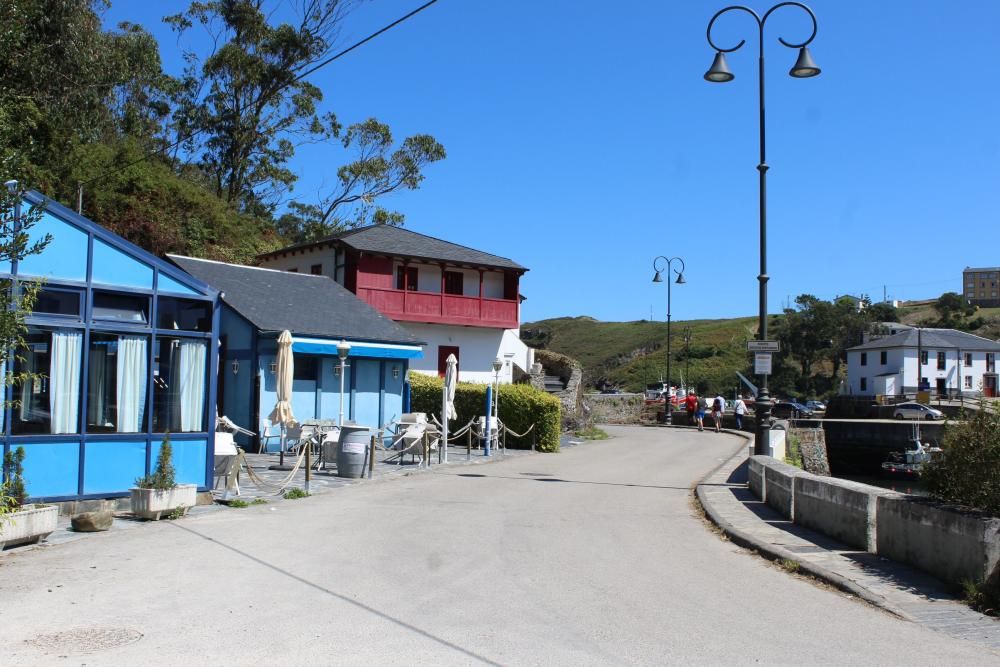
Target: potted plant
21, 522
159, 493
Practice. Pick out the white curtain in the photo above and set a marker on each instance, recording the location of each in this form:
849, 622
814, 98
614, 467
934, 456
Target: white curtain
191, 378
64, 381
132, 377
97, 376
26, 386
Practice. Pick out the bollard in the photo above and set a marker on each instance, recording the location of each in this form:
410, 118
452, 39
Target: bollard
426, 453
468, 444
503, 443
308, 464
441, 442
371, 459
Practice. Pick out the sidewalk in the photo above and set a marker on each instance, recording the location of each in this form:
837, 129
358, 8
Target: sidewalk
899, 589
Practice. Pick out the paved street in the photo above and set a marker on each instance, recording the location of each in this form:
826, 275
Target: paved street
592, 556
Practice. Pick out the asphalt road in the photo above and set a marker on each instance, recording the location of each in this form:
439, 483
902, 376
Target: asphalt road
592, 556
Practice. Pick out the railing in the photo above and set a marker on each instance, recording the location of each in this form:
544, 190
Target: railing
441, 308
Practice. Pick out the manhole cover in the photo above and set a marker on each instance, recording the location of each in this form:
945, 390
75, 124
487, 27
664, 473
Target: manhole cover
85, 640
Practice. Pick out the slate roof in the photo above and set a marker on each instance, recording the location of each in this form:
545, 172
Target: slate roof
400, 242
304, 304
932, 338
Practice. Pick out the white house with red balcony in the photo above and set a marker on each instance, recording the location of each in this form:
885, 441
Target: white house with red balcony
460, 300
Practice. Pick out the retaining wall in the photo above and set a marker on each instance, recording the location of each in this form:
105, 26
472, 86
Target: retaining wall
950, 542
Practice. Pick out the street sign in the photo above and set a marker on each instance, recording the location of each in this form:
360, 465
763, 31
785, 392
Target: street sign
762, 346
762, 363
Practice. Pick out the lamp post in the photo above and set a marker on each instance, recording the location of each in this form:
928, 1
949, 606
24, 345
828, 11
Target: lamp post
343, 349
803, 68
687, 358
680, 281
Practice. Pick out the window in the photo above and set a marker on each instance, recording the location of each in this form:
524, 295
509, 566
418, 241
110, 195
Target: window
305, 367
48, 400
864, 384
406, 278
183, 314
316, 269
179, 385
940, 361
968, 382
883, 357
991, 366
968, 358
864, 358
116, 383
923, 357
121, 307
57, 302
453, 282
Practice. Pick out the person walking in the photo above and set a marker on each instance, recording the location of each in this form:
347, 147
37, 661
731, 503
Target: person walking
739, 409
699, 415
718, 405
691, 406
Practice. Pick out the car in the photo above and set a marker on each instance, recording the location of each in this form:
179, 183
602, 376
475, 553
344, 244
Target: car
790, 409
916, 411
816, 406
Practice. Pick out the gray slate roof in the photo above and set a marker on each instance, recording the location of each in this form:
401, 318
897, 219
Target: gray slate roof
400, 242
932, 338
302, 303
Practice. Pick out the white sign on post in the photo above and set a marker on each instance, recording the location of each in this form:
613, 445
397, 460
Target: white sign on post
762, 363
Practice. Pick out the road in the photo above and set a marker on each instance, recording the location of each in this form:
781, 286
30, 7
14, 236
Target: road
592, 556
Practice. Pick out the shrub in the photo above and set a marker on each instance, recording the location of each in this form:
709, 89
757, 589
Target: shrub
295, 494
12, 492
521, 406
968, 471
164, 476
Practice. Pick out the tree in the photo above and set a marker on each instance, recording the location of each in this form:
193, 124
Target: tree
952, 309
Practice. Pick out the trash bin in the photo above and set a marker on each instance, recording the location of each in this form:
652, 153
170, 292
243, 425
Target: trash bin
351, 450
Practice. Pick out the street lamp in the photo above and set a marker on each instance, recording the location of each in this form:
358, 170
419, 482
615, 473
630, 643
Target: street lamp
680, 281
687, 358
719, 73
343, 349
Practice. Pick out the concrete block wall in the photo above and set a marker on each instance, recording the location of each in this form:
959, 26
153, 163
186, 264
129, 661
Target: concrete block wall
949, 542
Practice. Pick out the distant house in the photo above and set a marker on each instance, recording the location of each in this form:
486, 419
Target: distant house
257, 304
458, 300
950, 363
982, 286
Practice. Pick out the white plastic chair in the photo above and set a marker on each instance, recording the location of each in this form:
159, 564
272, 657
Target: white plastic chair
269, 432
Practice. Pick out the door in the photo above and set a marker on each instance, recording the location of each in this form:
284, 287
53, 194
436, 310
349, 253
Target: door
942, 386
443, 352
989, 385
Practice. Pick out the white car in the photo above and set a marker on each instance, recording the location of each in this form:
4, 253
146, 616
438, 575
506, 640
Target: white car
916, 411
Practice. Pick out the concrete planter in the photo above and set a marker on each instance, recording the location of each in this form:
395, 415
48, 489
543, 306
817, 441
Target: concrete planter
30, 524
151, 503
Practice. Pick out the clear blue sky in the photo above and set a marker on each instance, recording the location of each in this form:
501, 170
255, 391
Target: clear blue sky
582, 141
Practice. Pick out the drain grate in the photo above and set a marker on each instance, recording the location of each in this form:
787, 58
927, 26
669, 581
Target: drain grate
84, 640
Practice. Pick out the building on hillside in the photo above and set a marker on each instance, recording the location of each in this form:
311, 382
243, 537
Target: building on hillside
982, 286
951, 363
121, 348
884, 329
459, 300
258, 304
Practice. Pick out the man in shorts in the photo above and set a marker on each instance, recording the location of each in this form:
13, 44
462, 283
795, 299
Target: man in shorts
699, 415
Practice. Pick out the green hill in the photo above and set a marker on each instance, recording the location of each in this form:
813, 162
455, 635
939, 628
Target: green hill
629, 355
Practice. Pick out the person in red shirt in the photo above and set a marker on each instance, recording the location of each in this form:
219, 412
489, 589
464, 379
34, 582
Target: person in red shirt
690, 405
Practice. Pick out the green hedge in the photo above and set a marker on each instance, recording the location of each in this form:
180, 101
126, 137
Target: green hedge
521, 406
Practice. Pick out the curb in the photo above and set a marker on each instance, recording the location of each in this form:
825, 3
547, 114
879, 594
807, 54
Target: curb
774, 552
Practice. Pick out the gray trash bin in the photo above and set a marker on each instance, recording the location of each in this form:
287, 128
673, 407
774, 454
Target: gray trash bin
351, 450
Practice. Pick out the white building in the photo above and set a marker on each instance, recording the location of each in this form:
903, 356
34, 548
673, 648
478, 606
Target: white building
456, 299
950, 363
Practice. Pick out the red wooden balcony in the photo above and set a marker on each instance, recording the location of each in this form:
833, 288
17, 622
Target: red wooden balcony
410, 306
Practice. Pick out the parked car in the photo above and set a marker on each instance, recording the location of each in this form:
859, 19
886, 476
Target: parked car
916, 411
789, 409
816, 406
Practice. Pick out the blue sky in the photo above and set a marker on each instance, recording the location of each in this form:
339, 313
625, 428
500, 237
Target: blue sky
582, 142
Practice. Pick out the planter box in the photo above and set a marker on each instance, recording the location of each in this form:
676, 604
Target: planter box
29, 524
151, 503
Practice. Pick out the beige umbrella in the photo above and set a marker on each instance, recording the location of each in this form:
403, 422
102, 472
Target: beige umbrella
448, 399
282, 412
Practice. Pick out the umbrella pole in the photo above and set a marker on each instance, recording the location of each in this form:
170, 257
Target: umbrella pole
281, 447
444, 421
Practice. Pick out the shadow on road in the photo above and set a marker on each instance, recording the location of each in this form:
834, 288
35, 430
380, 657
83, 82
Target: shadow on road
535, 478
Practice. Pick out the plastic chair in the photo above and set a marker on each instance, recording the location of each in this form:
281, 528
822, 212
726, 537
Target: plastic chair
269, 432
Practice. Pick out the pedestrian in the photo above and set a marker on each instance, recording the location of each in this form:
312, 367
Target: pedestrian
718, 405
691, 405
739, 409
700, 413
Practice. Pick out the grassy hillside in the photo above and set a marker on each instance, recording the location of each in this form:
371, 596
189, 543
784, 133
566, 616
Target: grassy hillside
631, 354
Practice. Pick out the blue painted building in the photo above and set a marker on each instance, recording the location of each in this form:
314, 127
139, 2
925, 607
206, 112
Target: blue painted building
257, 304
122, 348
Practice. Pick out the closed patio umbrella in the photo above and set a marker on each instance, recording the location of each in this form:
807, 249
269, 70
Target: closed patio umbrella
448, 399
282, 412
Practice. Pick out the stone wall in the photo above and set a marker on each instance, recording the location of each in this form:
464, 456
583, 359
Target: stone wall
812, 446
571, 374
614, 408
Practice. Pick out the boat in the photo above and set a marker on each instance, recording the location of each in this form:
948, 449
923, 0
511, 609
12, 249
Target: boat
910, 463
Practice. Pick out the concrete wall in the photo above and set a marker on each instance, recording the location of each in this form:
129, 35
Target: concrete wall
949, 542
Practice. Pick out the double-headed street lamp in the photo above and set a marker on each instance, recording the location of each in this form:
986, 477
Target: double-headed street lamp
680, 281
719, 73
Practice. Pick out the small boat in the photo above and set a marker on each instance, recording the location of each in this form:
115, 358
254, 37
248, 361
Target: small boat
910, 462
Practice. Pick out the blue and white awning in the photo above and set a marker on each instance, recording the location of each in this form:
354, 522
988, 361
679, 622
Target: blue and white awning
370, 350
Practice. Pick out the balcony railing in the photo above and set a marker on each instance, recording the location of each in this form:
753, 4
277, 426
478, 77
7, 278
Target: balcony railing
437, 308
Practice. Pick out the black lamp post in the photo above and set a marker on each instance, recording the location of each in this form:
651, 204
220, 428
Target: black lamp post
687, 358
680, 281
719, 73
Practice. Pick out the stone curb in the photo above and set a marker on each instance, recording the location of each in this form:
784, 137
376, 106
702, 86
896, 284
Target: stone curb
775, 552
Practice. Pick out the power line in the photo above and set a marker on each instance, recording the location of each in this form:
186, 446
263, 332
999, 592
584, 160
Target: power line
299, 77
